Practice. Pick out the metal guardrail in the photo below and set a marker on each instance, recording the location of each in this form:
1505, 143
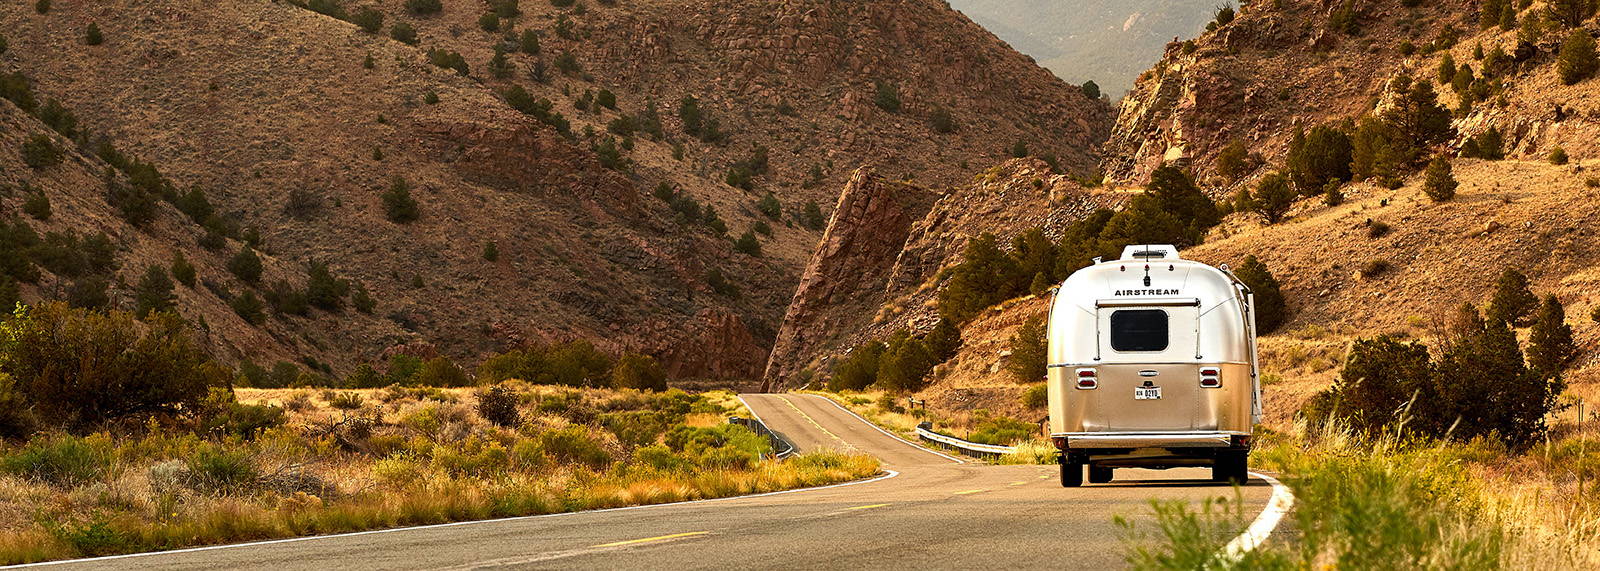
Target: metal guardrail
781, 448
925, 432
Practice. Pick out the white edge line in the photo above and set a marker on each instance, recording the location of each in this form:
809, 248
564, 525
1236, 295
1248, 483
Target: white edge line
888, 474
890, 434
1253, 536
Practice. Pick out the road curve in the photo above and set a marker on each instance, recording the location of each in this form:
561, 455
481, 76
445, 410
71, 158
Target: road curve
928, 511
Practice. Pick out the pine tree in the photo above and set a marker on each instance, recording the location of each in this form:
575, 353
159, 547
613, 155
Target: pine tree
1271, 311
182, 270
246, 265
1274, 197
1439, 183
1577, 61
1318, 157
1447, 69
1550, 345
1233, 161
1570, 13
943, 341
1417, 114
1027, 363
1484, 387
92, 36
398, 206
1513, 302
154, 292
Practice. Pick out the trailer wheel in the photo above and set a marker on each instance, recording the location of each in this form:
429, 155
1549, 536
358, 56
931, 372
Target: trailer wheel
1071, 474
1099, 474
1232, 466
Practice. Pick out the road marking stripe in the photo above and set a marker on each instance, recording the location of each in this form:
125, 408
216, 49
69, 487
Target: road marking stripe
965, 492
887, 475
814, 422
1018, 483
890, 434
650, 539
1255, 535
865, 507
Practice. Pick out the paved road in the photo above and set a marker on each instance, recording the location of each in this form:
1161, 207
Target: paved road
931, 512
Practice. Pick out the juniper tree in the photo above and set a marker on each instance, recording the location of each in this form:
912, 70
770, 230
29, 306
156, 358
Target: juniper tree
1512, 302
154, 292
1550, 345
1273, 197
1439, 181
1271, 311
1577, 61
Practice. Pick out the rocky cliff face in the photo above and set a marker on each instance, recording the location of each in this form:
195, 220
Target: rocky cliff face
878, 267
843, 285
1277, 65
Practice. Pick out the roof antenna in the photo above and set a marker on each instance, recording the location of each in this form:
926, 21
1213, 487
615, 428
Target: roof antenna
1147, 267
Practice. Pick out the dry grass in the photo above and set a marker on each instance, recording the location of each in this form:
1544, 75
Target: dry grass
398, 460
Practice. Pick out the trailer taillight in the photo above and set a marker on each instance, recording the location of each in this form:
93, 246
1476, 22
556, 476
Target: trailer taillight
1087, 379
1208, 372
1210, 378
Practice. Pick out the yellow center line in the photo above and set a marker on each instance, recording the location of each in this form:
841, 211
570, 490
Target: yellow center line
866, 507
813, 421
965, 492
1018, 483
650, 539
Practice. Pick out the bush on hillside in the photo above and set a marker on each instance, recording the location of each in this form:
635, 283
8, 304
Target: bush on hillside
1512, 302
37, 206
1439, 181
154, 292
1233, 161
1317, 158
403, 33
499, 405
246, 265
84, 368
368, 19
1557, 156
1273, 198
1271, 311
1577, 61
636, 371
887, 96
747, 244
398, 205
249, 307
424, 7
40, 152
1028, 360
1550, 344
857, 370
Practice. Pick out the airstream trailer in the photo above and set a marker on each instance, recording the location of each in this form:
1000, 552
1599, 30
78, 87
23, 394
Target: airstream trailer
1152, 364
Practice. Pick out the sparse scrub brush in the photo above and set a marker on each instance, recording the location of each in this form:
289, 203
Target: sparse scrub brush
498, 405
368, 19
424, 7
246, 265
1273, 197
1558, 156
887, 97
40, 152
398, 205
92, 35
1027, 362
748, 244
403, 33
182, 270
37, 206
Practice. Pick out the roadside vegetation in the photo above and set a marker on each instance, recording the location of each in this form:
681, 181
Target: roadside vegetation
121, 435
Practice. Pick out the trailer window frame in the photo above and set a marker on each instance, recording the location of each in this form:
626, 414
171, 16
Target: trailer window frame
1143, 325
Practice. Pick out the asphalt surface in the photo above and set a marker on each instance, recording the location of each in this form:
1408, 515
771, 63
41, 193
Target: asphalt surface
927, 511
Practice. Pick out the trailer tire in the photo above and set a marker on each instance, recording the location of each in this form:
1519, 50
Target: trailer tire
1071, 474
1099, 474
1232, 467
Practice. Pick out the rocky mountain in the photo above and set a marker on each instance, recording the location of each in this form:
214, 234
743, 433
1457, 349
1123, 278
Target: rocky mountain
1388, 258
562, 177
1109, 42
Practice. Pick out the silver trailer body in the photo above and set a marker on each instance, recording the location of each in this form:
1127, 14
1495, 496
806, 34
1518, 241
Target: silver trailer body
1152, 363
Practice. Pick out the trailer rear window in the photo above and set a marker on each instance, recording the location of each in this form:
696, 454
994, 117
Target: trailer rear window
1139, 330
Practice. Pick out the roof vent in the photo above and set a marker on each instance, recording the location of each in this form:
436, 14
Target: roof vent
1146, 252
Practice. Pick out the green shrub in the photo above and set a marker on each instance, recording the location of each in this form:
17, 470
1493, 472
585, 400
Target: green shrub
249, 307
1550, 345
635, 371
887, 97
720, 283
1317, 158
403, 32
1440, 183
449, 60
442, 372
61, 460
1374, 268
637, 428
246, 265
727, 446
424, 7
574, 445
942, 121
92, 35
1558, 156
747, 244
811, 216
1512, 302
361, 299
398, 206
218, 470
37, 206
566, 62
245, 421
1002, 431
1036, 396
529, 43
368, 19
182, 270
1569, 13
83, 368
1233, 161
40, 152
1273, 198
904, 365
1271, 311
323, 290
769, 206
1028, 360
489, 22
154, 292
857, 370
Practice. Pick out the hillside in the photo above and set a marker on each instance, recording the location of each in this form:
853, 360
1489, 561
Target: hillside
294, 124
1522, 213
1106, 41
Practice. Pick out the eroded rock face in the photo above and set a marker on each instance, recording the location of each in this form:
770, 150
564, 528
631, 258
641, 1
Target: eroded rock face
843, 285
719, 347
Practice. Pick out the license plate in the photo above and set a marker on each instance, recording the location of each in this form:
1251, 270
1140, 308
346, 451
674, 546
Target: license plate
1146, 393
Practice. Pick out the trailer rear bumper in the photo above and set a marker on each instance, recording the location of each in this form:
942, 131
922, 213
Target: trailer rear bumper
1135, 440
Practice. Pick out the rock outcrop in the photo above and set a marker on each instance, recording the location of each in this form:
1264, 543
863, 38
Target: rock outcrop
843, 285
